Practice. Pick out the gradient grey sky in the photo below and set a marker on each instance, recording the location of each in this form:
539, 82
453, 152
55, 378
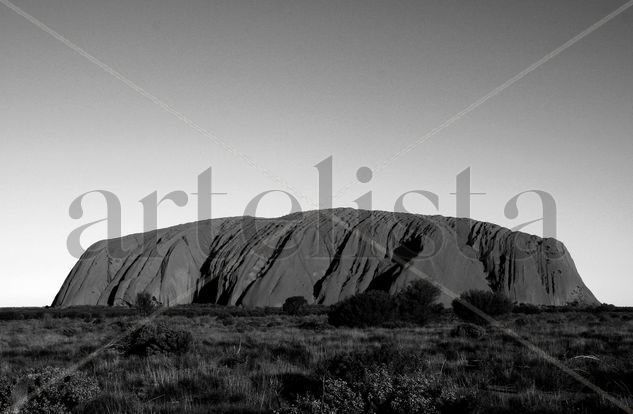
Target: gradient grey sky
288, 83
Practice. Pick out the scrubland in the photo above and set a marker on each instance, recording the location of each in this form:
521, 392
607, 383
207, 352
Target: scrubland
264, 361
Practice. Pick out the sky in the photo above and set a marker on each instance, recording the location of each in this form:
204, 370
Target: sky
272, 88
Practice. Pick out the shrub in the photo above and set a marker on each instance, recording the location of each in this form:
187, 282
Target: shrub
295, 305
5, 393
351, 366
294, 384
48, 322
417, 304
521, 322
365, 309
227, 320
468, 330
380, 390
415, 394
59, 391
526, 308
157, 338
69, 331
490, 303
145, 303
337, 398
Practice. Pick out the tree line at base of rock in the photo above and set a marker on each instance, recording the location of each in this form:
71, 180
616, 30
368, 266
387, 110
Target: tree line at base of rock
417, 304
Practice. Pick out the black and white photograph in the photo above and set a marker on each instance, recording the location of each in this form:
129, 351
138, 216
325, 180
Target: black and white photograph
316, 206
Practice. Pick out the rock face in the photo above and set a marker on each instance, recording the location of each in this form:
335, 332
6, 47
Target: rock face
324, 256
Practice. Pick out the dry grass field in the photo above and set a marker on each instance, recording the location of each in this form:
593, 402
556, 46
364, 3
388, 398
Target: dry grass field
270, 362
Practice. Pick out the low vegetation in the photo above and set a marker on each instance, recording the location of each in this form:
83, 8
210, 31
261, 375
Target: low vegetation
418, 302
145, 303
51, 389
371, 308
295, 305
202, 359
156, 338
415, 304
490, 303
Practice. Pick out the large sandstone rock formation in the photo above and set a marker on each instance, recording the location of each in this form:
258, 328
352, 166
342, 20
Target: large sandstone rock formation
324, 256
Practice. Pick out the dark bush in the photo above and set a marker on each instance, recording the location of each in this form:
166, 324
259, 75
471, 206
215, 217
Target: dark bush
352, 366
145, 303
490, 303
314, 324
69, 331
380, 390
468, 330
157, 338
5, 393
59, 391
521, 322
526, 308
365, 309
293, 384
295, 305
416, 303
227, 320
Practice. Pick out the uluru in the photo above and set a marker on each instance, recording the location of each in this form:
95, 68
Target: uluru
324, 256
